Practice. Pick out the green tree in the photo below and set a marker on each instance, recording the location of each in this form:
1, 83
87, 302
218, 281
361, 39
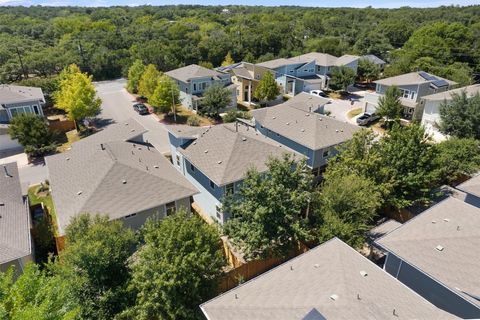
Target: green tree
342, 77
461, 116
176, 269
134, 74
389, 105
367, 70
206, 64
215, 99
228, 60
34, 295
457, 157
76, 94
93, 265
267, 88
349, 204
32, 133
166, 95
149, 81
271, 211
408, 163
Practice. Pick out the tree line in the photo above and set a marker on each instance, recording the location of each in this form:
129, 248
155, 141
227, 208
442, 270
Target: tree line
41, 41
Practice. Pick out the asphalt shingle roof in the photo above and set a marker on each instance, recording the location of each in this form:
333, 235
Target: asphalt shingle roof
224, 155
192, 71
447, 95
345, 59
332, 281
121, 179
15, 240
323, 59
409, 78
373, 58
471, 186
17, 94
306, 102
309, 129
453, 225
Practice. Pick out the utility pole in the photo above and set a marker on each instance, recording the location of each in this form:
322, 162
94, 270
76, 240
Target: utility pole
25, 74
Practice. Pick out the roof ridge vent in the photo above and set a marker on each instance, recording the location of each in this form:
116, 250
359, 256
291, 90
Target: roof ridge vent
446, 220
79, 192
334, 297
206, 151
244, 139
303, 130
363, 273
439, 248
219, 162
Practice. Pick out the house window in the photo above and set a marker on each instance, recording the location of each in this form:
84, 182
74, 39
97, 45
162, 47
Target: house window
35, 109
230, 189
170, 208
186, 90
311, 70
130, 216
212, 185
178, 160
325, 153
194, 87
204, 85
405, 93
219, 213
412, 95
192, 167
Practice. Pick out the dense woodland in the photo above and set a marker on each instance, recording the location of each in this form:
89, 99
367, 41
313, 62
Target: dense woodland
41, 41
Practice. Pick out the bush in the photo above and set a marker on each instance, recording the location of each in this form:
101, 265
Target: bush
193, 121
233, 114
32, 133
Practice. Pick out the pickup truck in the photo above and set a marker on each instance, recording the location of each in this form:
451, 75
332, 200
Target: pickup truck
366, 118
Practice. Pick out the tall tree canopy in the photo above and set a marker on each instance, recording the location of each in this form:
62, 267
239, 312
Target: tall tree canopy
134, 74
461, 116
32, 133
166, 95
389, 105
267, 89
149, 81
215, 99
342, 77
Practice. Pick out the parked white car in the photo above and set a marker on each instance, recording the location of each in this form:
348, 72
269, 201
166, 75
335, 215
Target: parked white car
320, 93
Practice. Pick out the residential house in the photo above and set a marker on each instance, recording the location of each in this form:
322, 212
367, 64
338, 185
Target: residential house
308, 71
429, 106
215, 160
471, 188
246, 76
193, 80
313, 135
376, 60
15, 240
331, 281
307, 102
16, 100
122, 179
413, 86
436, 254
19, 99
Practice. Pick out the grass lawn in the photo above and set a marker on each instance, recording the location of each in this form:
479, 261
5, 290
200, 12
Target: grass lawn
354, 112
47, 201
182, 115
70, 137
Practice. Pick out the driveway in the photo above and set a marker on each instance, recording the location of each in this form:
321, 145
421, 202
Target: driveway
117, 107
340, 107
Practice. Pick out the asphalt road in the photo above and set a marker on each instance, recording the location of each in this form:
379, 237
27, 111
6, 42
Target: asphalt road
117, 106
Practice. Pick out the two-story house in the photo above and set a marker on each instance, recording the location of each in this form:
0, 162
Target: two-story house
116, 174
15, 240
311, 134
193, 80
19, 99
413, 86
436, 254
216, 159
246, 76
330, 281
429, 106
308, 71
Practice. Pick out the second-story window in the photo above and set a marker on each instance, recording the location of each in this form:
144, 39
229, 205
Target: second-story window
325, 153
194, 87
178, 160
212, 185
229, 189
170, 208
192, 167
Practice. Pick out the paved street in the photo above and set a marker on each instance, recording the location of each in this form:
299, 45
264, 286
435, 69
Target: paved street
117, 106
339, 108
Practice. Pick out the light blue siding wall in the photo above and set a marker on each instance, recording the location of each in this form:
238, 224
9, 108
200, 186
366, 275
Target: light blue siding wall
322, 70
287, 142
306, 70
430, 289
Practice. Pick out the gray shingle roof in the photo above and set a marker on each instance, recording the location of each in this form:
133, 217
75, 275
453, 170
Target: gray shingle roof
331, 280
224, 155
122, 179
345, 59
452, 224
17, 94
185, 132
373, 58
306, 102
308, 129
471, 186
323, 59
409, 78
382, 229
192, 71
275, 63
14, 216
447, 95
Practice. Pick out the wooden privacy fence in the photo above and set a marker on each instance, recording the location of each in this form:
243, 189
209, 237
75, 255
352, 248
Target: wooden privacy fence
245, 270
61, 126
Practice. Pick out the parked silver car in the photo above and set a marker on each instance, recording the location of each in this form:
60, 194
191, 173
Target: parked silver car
366, 118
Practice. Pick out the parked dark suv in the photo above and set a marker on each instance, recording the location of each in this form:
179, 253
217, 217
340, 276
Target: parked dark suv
140, 108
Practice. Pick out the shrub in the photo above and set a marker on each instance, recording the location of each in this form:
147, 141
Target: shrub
233, 114
193, 121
